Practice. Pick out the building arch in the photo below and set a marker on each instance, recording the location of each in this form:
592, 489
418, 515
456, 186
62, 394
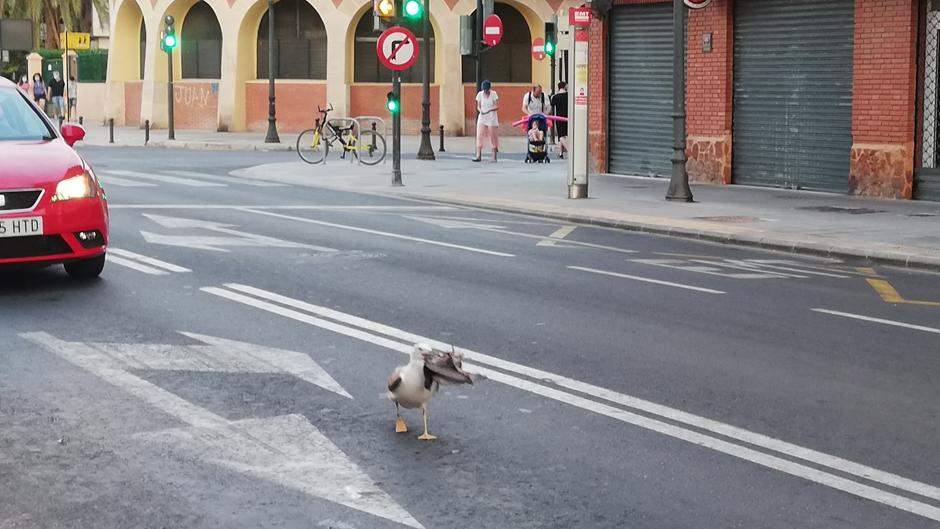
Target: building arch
128, 43
366, 65
512, 62
200, 43
301, 40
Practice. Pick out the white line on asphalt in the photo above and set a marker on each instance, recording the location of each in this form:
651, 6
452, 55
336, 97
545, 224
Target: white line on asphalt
376, 232
165, 179
560, 233
285, 207
227, 179
170, 267
108, 179
879, 320
801, 270
745, 453
646, 280
564, 242
135, 265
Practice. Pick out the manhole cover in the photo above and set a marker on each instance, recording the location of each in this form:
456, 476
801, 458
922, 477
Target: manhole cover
838, 209
729, 219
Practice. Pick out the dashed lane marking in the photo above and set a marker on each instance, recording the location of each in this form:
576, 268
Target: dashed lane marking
646, 280
125, 255
871, 319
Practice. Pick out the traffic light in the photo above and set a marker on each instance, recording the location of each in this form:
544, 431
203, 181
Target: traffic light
413, 9
168, 39
392, 103
385, 9
551, 38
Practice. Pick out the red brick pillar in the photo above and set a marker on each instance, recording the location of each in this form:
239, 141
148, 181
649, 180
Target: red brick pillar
597, 97
884, 79
709, 89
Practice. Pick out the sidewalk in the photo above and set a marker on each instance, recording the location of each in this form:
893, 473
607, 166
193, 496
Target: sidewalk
905, 233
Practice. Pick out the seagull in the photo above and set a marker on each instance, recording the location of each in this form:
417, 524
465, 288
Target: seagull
413, 384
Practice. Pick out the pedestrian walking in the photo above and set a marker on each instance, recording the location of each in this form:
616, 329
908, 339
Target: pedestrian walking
560, 108
39, 91
73, 97
24, 84
487, 119
535, 102
57, 95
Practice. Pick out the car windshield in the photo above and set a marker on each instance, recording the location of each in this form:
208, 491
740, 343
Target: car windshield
18, 120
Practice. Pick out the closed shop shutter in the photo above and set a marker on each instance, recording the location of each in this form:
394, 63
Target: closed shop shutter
640, 90
793, 93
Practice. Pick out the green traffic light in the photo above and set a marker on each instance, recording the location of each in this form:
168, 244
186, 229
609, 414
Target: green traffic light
412, 8
169, 41
392, 106
549, 48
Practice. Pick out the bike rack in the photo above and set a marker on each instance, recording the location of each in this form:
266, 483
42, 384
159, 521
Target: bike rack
372, 121
343, 123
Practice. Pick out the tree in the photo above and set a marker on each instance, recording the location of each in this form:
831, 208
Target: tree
75, 13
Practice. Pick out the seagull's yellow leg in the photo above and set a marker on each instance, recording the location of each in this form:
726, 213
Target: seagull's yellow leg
400, 426
426, 436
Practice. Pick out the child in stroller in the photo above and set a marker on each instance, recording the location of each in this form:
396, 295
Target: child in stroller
536, 151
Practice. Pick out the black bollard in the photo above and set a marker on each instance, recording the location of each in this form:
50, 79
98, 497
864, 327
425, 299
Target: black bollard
110, 130
373, 137
146, 131
441, 129
81, 120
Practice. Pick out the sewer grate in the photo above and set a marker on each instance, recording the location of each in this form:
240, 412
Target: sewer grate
838, 209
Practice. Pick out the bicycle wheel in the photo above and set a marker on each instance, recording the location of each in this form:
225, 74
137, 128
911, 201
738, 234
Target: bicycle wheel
311, 146
371, 148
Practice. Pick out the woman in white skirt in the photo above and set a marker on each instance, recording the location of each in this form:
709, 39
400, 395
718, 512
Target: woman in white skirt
487, 120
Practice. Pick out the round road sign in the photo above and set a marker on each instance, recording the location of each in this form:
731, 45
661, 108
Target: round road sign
397, 48
697, 4
538, 48
492, 30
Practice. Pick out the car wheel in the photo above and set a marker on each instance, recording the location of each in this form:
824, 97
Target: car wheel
86, 268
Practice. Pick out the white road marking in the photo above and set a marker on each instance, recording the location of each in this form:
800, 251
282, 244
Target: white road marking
286, 450
237, 237
879, 320
708, 267
299, 207
169, 267
227, 179
108, 179
725, 430
646, 280
134, 265
452, 223
558, 234
376, 232
165, 179
792, 266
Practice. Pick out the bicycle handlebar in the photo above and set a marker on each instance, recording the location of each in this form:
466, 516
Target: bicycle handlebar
324, 111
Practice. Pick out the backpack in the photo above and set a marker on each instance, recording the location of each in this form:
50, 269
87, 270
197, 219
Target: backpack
528, 99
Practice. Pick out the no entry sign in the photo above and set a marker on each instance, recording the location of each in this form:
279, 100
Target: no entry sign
492, 30
697, 4
397, 48
538, 48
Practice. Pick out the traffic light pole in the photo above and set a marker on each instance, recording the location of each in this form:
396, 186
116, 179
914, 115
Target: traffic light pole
478, 43
679, 189
171, 132
396, 132
426, 151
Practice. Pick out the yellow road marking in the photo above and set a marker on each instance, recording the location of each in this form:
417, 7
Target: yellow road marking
890, 295
558, 234
867, 271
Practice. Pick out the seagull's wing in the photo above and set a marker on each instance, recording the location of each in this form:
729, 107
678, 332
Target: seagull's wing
443, 369
394, 380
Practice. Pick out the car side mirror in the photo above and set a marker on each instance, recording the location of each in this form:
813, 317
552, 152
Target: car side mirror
72, 133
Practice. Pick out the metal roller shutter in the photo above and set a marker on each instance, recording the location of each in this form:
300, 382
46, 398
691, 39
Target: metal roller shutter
640, 91
793, 93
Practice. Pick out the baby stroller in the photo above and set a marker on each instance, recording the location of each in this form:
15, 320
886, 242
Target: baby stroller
537, 151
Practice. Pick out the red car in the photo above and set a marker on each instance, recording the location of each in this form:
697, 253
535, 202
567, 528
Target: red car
52, 208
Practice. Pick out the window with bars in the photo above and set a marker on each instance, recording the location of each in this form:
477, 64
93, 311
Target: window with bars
201, 43
299, 39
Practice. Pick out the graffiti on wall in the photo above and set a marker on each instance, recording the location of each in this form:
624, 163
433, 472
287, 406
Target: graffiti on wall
196, 95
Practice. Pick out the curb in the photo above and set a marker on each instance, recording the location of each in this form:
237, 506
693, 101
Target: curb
899, 258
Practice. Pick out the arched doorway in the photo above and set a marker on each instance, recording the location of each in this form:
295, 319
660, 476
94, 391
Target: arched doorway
201, 43
511, 62
366, 66
143, 47
300, 42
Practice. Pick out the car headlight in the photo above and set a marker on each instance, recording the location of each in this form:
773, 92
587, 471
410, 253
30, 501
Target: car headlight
81, 186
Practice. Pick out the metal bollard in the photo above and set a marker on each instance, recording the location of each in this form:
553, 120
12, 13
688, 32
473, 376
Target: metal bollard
110, 130
373, 146
81, 120
61, 120
441, 129
146, 131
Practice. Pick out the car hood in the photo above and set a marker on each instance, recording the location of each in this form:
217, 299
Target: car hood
37, 163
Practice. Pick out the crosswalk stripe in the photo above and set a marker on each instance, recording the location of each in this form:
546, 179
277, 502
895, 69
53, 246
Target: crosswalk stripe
228, 179
170, 267
134, 265
165, 179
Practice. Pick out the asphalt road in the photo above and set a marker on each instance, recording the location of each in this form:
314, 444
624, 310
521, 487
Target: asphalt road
228, 370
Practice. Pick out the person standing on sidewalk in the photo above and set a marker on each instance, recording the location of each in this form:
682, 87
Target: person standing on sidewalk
57, 93
535, 102
73, 97
39, 91
24, 84
487, 119
560, 109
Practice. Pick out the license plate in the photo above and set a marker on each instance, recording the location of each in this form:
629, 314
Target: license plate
21, 227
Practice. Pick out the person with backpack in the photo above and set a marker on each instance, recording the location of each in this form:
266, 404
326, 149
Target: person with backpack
535, 102
560, 107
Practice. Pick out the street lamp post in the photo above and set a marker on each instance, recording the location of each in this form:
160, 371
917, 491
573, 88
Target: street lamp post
426, 151
679, 183
271, 136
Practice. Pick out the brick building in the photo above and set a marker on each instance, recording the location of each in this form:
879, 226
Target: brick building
829, 95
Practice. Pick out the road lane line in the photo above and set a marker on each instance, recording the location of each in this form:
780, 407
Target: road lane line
376, 232
646, 280
557, 235
226, 179
741, 452
300, 207
879, 320
726, 430
565, 242
169, 267
757, 263
134, 265
165, 179
107, 179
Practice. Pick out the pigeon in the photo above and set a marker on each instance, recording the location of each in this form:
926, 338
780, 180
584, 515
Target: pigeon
413, 384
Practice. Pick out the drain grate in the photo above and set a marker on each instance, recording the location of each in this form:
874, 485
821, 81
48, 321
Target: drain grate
838, 209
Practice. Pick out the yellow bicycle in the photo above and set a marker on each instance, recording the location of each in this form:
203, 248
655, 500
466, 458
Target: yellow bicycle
313, 145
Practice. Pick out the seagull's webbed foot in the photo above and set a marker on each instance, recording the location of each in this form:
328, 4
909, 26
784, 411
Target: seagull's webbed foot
426, 436
400, 426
